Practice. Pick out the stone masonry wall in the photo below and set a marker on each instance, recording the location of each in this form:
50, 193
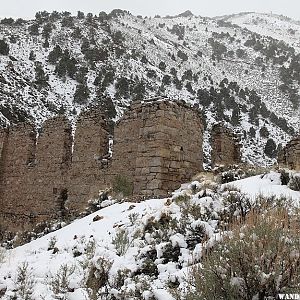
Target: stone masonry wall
158, 146
17, 152
289, 156
34, 172
225, 147
46, 175
87, 173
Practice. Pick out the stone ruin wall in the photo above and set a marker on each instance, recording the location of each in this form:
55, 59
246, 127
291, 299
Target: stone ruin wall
88, 172
225, 147
158, 145
47, 175
38, 173
289, 156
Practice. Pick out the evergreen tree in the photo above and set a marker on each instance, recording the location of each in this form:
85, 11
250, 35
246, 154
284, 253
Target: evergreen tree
41, 79
106, 105
166, 80
34, 29
20, 22
264, 132
80, 15
55, 55
270, 148
82, 94
139, 91
182, 55
235, 117
7, 21
32, 56
4, 48
162, 66
122, 88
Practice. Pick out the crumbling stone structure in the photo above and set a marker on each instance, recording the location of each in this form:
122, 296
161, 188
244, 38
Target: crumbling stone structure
225, 146
157, 146
289, 156
48, 174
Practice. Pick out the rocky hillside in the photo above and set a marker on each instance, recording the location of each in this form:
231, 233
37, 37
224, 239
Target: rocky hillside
240, 69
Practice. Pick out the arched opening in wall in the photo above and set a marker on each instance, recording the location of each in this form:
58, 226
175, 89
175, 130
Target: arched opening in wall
62, 199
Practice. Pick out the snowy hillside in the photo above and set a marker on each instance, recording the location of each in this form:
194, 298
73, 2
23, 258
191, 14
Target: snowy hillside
278, 27
60, 63
134, 250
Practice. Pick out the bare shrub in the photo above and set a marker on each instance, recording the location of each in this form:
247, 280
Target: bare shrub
52, 243
2, 254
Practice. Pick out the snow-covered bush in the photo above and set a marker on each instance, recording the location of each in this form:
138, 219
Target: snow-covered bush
294, 183
255, 261
121, 242
97, 276
24, 282
231, 173
59, 283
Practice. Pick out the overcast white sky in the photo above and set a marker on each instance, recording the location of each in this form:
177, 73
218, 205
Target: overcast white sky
28, 8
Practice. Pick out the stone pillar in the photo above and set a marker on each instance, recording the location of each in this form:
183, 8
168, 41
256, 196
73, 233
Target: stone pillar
17, 151
225, 147
50, 173
90, 160
289, 156
158, 145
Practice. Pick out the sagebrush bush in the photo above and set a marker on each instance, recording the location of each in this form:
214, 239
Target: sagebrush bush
97, 277
294, 183
121, 185
121, 241
237, 205
59, 282
257, 260
24, 282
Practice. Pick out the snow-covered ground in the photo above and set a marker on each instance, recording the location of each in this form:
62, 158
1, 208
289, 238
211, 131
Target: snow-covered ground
71, 242
267, 186
276, 26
